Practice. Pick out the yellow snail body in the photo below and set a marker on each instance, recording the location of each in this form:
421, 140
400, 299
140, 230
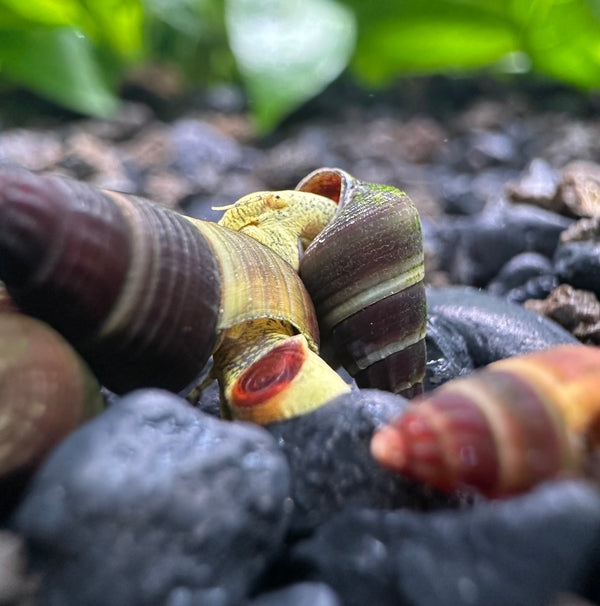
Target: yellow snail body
363, 267
502, 429
148, 295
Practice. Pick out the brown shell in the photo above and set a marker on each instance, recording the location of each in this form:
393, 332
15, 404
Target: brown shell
140, 290
364, 272
135, 287
45, 392
503, 429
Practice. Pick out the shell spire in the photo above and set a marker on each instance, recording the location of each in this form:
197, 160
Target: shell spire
503, 429
365, 272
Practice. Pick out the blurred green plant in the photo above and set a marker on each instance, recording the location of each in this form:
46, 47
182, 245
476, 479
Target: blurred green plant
77, 52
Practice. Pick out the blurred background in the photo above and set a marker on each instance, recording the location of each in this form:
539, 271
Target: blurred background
195, 103
83, 54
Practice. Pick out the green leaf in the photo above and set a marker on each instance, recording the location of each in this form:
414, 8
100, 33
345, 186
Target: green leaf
117, 24
425, 37
287, 52
57, 64
562, 38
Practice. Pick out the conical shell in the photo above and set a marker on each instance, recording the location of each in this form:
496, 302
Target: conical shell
364, 272
503, 429
134, 286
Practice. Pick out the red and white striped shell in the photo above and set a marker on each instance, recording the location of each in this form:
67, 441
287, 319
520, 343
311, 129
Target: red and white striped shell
503, 429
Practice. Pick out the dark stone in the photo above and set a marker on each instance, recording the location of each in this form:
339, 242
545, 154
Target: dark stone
202, 153
468, 328
537, 287
578, 264
332, 468
299, 594
521, 552
518, 271
473, 249
155, 503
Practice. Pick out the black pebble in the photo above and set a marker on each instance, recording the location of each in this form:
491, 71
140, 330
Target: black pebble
298, 594
473, 249
468, 328
518, 271
155, 503
332, 468
578, 264
520, 552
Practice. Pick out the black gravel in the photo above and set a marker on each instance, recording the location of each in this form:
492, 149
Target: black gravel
156, 502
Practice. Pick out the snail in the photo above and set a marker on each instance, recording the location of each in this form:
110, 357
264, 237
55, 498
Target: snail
46, 391
364, 273
147, 295
502, 429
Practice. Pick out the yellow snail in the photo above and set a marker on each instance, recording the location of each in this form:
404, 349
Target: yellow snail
363, 270
147, 295
502, 429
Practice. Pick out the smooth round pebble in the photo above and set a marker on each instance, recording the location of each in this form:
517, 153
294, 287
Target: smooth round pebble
469, 328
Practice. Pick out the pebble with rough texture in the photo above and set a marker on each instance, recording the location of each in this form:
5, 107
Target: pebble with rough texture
155, 503
329, 455
520, 552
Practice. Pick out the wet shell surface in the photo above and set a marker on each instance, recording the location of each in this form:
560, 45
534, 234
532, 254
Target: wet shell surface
141, 291
364, 272
45, 392
503, 429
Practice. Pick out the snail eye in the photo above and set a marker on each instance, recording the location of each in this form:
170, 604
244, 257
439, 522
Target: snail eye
269, 375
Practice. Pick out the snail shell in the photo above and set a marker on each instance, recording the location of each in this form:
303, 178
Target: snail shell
45, 392
364, 273
143, 292
503, 429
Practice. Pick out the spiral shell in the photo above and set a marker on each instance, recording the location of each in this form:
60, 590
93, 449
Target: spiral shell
365, 272
143, 292
45, 392
503, 429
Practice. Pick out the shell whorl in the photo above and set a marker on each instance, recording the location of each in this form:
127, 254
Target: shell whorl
45, 392
503, 429
134, 286
365, 272
143, 292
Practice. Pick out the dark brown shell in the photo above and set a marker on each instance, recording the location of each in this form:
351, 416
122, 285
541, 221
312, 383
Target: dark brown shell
133, 286
364, 272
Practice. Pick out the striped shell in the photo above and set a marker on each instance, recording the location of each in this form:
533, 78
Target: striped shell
141, 291
364, 272
45, 392
503, 429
